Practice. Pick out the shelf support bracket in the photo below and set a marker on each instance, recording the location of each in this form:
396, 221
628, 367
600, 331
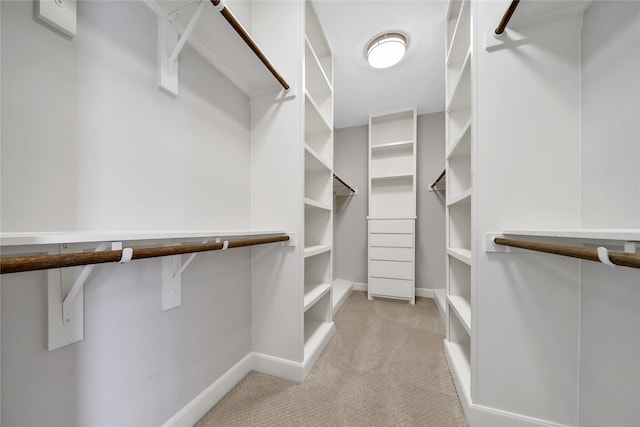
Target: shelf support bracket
169, 47
172, 269
66, 303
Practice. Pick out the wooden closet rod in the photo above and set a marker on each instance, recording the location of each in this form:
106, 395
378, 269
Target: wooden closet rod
506, 17
438, 179
344, 183
231, 19
619, 258
43, 262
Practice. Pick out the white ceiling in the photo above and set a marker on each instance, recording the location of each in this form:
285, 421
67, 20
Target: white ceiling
417, 81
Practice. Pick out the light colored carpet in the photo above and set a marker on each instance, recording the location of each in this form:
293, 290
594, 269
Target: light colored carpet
384, 367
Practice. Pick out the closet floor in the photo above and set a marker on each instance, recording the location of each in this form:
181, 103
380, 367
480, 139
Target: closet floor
384, 366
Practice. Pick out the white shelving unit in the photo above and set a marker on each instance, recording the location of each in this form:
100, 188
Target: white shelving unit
392, 205
459, 194
318, 186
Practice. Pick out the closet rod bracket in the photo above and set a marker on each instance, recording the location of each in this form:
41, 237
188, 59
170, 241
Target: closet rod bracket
170, 44
66, 297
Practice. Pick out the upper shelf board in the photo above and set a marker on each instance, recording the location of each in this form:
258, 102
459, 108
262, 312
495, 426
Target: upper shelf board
220, 45
49, 238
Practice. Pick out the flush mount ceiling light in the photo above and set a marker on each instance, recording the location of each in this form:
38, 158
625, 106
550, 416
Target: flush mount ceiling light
386, 50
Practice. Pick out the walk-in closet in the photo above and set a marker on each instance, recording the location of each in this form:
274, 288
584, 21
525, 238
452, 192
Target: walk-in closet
313, 212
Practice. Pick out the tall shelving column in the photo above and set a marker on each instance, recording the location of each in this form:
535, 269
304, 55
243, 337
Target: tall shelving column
459, 193
392, 205
318, 185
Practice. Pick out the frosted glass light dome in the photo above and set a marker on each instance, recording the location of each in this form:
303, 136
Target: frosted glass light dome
386, 50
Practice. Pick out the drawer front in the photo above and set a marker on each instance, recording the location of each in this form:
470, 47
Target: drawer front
391, 254
391, 240
391, 287
391, 269
391, 226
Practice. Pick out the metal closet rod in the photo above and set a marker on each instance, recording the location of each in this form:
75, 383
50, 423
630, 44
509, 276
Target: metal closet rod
231, 19
506, 17
43, 262
340, 180
619, 258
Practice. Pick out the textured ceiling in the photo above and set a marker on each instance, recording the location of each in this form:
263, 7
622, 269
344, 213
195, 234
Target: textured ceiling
417, 81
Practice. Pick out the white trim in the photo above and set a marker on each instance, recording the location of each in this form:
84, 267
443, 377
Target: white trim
193, 411
425, 293
480, 415
202, 403
278, 367
359, 286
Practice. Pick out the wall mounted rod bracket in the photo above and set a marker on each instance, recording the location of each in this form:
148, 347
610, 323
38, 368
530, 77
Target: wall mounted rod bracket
170, 44
78, 285
187, 32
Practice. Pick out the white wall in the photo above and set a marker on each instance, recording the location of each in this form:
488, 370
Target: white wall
610, 298
350, 213
277, 162
526, 317
430, 225
558, 339
350, 231
89, 142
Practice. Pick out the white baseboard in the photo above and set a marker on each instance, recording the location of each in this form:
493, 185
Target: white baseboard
202, 403
483, 416
278, 367
359, 286
425, 293
283, 368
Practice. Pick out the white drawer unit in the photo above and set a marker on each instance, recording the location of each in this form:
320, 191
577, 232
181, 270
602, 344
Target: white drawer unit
391, 254
392, 259
391, 226
392, 204
392, 288
391, 240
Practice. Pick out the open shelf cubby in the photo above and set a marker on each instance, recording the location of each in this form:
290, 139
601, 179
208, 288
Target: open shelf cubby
393, 197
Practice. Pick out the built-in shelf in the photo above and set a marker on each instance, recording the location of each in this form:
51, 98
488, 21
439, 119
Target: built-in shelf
340, 293
315, 335
462, 143
458, 357
627, 235
440, 298
391, 177
315, 121
463, 197
313, 293
461, 254
462, 308
218, 43
395, 144
313, 161
455, 75
316, 61
316, 204
48, 238
529, 11
460, 38
459, 173
460, 99
316, 250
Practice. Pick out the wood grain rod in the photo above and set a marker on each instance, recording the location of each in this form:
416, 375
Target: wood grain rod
506, 17
231, 19
343, 183
438, 179
43, 262
619, 258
